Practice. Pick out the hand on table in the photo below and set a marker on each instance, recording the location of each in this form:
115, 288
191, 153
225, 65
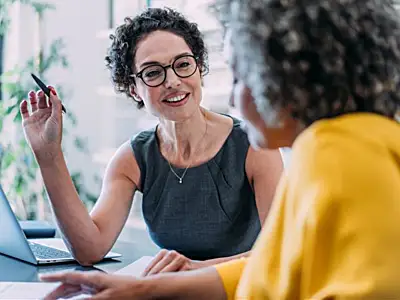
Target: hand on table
100, 285
171, 261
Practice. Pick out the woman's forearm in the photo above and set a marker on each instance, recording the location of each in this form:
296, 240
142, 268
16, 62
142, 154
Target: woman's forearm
81, 233
211, 262
198, 284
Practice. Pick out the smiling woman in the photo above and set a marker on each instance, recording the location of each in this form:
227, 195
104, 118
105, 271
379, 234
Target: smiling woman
206, 191
196, 169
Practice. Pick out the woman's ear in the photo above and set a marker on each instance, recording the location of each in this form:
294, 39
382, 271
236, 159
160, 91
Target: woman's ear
203, 72
134, 94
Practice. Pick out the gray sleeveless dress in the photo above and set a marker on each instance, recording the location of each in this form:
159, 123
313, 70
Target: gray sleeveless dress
212, 213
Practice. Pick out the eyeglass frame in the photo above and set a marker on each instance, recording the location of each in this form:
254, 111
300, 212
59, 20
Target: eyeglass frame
140, 73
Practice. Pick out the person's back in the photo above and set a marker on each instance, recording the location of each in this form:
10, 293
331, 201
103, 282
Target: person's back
328, 71
340, 204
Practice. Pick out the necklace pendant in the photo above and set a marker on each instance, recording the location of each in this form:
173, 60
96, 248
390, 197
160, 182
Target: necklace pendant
180, 180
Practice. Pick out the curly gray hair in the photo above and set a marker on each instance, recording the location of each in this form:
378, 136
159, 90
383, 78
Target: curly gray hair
316, 58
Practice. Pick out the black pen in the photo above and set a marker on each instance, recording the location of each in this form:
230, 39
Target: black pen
45, 89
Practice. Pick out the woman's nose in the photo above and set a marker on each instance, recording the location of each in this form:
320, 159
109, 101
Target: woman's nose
171, 80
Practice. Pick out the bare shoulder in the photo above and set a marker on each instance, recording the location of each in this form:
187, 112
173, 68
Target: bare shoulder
218, 129
219, 124
264, 160
264, 170
123, 163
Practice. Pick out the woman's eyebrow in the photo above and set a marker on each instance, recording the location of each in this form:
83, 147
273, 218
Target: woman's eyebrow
147, 63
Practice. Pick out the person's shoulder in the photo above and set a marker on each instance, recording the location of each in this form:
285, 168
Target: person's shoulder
143, 136
338, 163
238, 124
225, 132
143, 141
324, 145
142, 144
340, 147
236, 127
123, 152
123, 160
224, 119
237, 137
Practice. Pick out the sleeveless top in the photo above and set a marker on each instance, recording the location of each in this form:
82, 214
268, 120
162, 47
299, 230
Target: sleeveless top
212, 213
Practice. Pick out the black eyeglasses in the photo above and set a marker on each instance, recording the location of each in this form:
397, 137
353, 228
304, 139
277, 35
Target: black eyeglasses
155, 75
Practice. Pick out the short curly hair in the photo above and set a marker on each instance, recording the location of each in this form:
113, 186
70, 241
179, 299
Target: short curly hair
121, 54
316, 58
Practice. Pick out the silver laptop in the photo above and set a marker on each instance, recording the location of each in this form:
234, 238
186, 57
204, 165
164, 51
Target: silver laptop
14, 243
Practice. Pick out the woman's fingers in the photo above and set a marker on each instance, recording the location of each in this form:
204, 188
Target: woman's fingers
42, 102
33, 100
185, 267
160, 255
165, 262
39, 100
23, 108
65, 290
54, 101
174, 265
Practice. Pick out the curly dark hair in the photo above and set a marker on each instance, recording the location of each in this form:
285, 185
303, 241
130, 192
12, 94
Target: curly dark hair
121, 54
316, 58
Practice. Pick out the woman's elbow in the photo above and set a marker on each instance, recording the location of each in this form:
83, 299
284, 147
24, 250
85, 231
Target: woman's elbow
88, 259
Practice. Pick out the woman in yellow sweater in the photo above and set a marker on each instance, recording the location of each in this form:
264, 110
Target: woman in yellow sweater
324, 78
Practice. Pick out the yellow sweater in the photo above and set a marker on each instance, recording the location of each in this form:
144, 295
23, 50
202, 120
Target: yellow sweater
334, 228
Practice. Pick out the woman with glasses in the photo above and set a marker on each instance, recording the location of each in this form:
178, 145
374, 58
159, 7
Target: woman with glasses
206, 192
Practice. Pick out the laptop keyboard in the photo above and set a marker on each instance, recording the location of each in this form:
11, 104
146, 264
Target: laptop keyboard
44, 252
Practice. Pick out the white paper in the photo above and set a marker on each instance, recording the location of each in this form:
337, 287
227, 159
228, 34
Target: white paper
29, 290
25, 290
38, 290
136, 268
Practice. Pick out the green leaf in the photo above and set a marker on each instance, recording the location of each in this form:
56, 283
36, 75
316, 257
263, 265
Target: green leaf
17, 117
91, 197
20, 184
8, 159
80, 143
97, 179
72, 118
64, 62
76, 177
6, 74
40, 7
31, 174
10, 109
2, 115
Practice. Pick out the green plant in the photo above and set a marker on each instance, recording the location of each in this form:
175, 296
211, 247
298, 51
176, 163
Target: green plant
18, 168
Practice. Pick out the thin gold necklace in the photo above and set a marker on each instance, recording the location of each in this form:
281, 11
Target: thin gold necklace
180, 178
